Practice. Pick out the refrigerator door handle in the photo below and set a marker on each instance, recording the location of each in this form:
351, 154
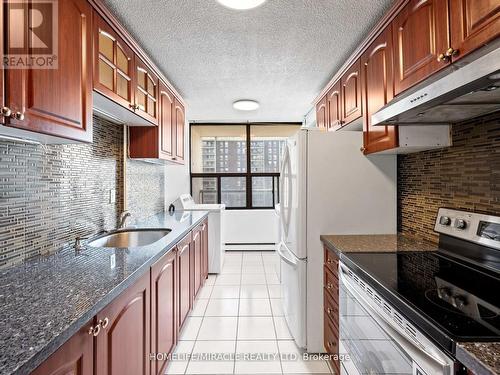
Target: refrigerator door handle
286, 259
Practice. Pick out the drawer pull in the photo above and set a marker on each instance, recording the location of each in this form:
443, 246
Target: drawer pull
104, 323
94, 331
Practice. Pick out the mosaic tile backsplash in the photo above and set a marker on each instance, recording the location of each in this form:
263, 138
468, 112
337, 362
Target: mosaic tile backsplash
51, 194
465, 176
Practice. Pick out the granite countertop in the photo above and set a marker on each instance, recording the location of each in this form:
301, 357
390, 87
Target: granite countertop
482, 358
46, 300
375, 243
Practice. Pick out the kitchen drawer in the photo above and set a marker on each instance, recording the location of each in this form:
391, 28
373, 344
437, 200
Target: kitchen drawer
331, 283
331, 306
331, 261
331, 341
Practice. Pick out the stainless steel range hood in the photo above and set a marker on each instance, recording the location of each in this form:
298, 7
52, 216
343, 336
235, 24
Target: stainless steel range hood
465, 90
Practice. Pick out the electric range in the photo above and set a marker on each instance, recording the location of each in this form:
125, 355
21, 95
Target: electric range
446, 296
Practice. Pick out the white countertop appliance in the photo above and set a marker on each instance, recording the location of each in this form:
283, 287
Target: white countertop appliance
327, 186
215, 228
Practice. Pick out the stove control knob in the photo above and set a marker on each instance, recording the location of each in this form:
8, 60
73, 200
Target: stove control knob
460, 224
444, 220
444, 292
459, 301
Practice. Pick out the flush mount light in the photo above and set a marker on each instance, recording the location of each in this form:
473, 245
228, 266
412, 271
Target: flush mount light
246, 105
241, 4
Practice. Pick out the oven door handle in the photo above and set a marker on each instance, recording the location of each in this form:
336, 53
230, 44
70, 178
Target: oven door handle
406, 343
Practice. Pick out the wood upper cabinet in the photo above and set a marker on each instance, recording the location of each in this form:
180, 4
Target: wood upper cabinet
184, 259
350, 83
166, 125
180, 125
333, 106
146, 92
164, 285
54, 101
377, 85
321, 114
473, 24
75, 357
123, 344
420, 34
156, 142
113, 64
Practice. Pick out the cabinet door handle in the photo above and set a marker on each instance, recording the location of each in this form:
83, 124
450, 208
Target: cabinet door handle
104, 322
18, 116
94, 331
362, 149
6, 112
329, 286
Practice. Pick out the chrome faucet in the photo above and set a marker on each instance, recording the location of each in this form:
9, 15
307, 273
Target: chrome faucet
123, 219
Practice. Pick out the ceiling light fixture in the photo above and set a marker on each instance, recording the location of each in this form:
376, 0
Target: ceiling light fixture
241, 4
246, 105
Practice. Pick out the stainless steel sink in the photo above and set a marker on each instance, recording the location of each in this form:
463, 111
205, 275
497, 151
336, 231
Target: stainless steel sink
130, 238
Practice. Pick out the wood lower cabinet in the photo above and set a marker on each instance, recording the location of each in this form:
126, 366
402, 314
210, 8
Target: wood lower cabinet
204, 251
123, 345
351, 105
322, 114
331, 307
164, 300
75, 357
55, 102
420, 35
473, 24
377, 85
185, 295
196, 248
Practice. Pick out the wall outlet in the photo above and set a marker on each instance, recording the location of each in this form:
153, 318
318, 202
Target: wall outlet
112, 196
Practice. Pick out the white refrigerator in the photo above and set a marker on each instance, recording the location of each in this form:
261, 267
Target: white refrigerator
327, 186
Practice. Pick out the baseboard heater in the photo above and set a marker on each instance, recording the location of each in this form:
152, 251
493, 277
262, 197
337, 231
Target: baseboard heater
252, 246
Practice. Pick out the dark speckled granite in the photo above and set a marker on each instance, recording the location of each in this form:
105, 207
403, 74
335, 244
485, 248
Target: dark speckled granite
44, 301
482, 358
375, 243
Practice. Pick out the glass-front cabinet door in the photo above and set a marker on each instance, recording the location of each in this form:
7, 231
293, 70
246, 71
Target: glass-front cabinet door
113, 70
146, 92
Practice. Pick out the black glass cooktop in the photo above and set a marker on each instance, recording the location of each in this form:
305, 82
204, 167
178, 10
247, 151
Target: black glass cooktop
458, 298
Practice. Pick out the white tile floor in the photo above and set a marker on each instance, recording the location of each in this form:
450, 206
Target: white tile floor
237, 324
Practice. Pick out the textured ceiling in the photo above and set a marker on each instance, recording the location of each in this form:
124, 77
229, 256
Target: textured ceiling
280, 54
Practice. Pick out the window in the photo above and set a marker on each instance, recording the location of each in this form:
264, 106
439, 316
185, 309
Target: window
238, 165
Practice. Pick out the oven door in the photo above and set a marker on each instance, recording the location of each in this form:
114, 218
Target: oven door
373, 345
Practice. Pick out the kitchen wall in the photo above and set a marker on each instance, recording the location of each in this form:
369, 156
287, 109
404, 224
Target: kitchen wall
51, 194
464, 176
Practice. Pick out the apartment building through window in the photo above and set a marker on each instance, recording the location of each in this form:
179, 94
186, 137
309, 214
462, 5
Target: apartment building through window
238, 165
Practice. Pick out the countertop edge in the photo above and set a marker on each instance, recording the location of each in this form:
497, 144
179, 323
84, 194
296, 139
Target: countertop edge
472, 362
38, 358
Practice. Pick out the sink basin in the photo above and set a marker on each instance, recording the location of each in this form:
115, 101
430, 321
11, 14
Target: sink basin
130, 238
